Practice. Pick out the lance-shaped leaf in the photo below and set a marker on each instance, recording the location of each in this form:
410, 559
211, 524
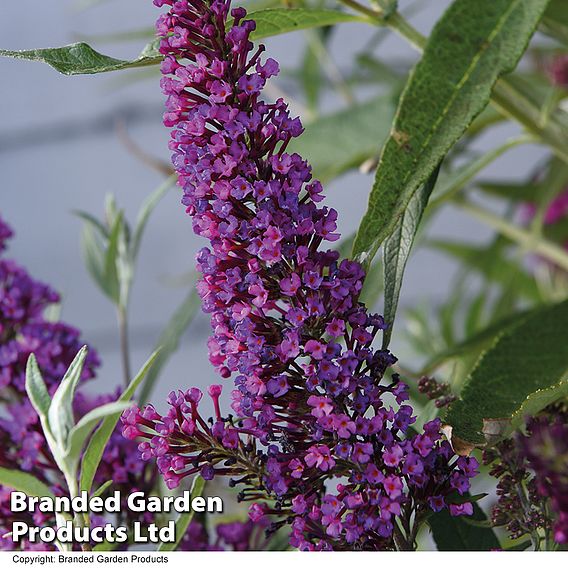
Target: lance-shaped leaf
96, 447
102, 488
276, 21
146, 210
36, 389
81, 59
60, 414
472, 45
83, 429
22, 481
524, 371
555, 21
184, 519
397, 250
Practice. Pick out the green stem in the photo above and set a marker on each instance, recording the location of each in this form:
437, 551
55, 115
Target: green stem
402, 27
526, 239
372, 13
79, 519
124, 344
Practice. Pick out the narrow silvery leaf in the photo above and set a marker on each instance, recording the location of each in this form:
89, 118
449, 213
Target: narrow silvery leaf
22, 481
35, 387
111, 277
82, 430
95, 449
94, 223
102, 488
60, 415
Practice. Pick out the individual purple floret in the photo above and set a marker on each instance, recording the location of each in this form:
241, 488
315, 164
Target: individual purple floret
322, 425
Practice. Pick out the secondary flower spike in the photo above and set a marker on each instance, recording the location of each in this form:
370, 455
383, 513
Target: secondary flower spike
315, 400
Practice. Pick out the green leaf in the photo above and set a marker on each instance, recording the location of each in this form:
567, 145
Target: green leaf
96, 447
340, 141
83, 429
457, 534
168, 341
476, 342
276, 21
110, 274
94, 223
35, 387
22, 481
555, 21
60, 415
102, 488
184, 519
523, 372
81, 59
397, 250
540, 399
472, 45
94, 255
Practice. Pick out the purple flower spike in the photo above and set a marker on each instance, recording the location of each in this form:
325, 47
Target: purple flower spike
311, 392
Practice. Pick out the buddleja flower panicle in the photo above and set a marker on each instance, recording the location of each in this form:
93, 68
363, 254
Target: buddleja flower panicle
314, 400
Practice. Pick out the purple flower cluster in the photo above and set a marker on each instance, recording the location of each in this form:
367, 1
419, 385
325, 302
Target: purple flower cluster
315, 401
546, 450
532, 469
24, 330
